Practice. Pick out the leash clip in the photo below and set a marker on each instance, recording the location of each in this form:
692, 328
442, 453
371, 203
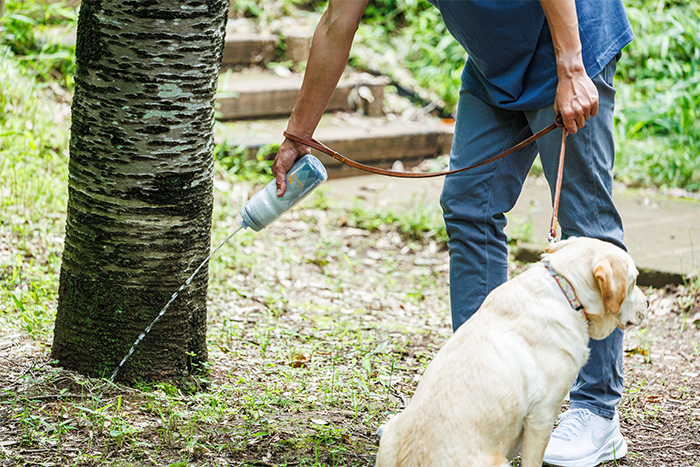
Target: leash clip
552, 237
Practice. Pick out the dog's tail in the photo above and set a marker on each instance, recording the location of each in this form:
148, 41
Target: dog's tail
409, 443
396, 447
389, 447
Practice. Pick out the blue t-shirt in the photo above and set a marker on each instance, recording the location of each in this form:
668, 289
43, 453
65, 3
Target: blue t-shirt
511, 60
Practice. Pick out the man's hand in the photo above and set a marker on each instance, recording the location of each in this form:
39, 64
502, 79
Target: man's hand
576, 99
289, 152
328, 57
577, 96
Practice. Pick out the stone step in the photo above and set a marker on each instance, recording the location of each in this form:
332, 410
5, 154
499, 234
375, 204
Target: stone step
372, 141
243, 49
297, 45
261, 95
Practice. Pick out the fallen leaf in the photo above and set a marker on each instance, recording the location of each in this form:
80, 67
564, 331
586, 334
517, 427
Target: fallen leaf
637, 351
299, 361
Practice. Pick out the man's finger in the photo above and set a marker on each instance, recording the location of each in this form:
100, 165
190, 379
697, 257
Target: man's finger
579, 114
569, 122
587, 112
280, 175
279, 181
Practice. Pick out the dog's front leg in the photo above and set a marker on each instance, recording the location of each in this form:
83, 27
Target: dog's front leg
536, 432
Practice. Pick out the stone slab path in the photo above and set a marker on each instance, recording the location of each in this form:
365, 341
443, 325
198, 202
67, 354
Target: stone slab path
661, 233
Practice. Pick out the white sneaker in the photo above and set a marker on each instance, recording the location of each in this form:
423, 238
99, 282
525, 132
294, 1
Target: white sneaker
583, 439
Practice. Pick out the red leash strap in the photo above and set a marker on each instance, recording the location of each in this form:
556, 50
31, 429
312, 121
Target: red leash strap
557, 191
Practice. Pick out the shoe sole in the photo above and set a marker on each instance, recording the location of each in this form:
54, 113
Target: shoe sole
616, 449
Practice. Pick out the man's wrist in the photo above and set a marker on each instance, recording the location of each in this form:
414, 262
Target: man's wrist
570, 64
303, 131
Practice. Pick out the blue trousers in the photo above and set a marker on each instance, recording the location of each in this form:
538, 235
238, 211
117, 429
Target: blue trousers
474, 203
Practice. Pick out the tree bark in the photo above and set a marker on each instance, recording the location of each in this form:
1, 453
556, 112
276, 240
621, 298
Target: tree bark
140, 186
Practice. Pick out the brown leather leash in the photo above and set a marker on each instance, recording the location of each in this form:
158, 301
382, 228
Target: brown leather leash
558, 123
557, 190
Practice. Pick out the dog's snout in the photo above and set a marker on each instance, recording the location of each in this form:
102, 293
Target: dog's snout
637, 320
640, 309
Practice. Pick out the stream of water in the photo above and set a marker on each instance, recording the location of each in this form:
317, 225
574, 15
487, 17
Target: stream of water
165, 308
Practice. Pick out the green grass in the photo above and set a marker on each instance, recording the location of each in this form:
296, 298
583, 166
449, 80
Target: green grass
33, 174
35, 33
317, 326
303, 367
422, 223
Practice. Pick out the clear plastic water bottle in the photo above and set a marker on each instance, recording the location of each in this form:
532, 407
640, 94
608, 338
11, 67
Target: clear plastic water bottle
265, 206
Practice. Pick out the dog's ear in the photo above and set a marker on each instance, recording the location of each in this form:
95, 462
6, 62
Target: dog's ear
611, 274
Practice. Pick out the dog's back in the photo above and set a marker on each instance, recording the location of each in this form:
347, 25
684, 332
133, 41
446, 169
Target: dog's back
431, 430
470, 406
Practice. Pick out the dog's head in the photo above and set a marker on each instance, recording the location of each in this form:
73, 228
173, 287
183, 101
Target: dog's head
604, 278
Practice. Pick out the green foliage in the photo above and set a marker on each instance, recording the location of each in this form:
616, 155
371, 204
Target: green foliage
408, 41
268, 10
659, 96
238, 162
422, 222
36, 33
247, 8
393, 14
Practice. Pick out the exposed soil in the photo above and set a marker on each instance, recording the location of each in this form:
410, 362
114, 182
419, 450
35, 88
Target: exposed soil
660, 413
321, 300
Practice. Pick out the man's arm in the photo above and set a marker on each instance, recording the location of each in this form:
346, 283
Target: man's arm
577, 96
329, 54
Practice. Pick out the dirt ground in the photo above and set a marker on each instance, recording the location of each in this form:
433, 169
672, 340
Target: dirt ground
660, 412
306, 375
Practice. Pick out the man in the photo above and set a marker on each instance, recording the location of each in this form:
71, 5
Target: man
529, 60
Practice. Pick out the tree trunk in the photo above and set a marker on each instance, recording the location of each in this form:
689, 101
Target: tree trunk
140, 186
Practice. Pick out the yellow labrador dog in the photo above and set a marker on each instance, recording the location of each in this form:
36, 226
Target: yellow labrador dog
497, 385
